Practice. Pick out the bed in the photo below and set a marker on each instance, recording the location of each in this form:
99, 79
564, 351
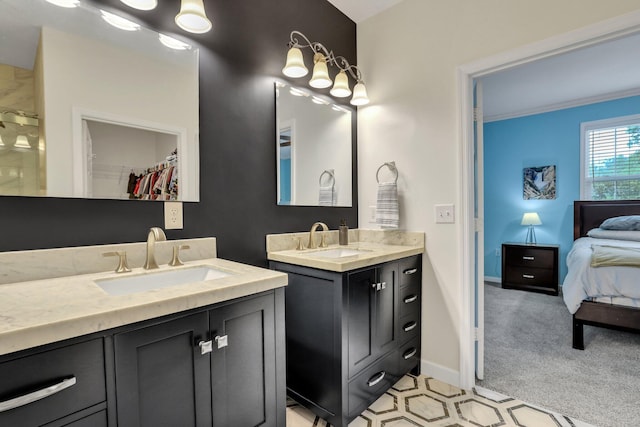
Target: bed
610, 314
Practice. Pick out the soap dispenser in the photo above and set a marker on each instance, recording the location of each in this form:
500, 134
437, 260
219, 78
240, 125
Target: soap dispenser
343, 233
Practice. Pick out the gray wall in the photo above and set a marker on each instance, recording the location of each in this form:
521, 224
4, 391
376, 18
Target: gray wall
239, 59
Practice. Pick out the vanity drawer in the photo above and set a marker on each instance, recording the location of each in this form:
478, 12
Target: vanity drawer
45, 386
409, 327
372, 383
409, 271
408, 356
410, 299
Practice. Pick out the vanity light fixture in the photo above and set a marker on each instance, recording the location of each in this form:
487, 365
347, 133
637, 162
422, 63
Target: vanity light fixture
192, 17
119, 22
22, 142
141, 4
65, 3
322, 57
172, 43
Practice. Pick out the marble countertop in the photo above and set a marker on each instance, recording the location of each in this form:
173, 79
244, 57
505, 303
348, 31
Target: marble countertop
375, 247
38, 312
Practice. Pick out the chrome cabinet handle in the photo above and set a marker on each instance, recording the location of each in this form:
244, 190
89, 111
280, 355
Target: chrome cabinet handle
379, 286
410, 299
528, 276
529, 258
410, 271
205, 347
410, 353
410, 326
376, 378
25, 399
222, 340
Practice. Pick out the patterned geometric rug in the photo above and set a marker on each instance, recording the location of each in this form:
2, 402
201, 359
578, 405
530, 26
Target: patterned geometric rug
424, 401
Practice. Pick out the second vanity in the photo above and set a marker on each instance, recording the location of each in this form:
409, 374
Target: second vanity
208, 352
352, 317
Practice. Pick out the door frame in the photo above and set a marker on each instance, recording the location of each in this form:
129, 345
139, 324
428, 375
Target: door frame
609, 29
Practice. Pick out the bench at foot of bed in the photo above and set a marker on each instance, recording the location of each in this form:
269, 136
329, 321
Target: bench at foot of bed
610, 316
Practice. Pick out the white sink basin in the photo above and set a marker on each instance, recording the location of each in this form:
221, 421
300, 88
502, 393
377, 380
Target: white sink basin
337, 253
126, 285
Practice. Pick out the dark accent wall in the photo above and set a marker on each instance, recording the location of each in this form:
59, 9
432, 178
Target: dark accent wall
239, 60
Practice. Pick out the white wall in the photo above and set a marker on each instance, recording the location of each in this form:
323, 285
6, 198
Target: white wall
409, 55
93, 76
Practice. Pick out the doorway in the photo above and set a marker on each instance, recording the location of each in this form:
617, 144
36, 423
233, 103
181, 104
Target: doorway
471, 223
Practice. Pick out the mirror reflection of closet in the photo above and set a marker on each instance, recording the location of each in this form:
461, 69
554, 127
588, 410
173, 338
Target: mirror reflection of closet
126, 162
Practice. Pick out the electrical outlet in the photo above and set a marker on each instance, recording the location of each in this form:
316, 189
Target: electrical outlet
173, 216
372, 214
444, 214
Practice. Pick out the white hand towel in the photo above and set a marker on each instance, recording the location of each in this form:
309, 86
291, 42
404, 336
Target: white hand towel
326, 197
387, 210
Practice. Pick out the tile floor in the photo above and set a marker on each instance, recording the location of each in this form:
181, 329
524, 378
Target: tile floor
424, 401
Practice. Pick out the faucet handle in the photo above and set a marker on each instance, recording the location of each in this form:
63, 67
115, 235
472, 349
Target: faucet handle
175, 260
122, 261
323, 240
300, 245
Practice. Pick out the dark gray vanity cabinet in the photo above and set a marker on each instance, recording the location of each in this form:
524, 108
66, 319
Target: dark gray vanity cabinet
215, 367
346, 338
221, 365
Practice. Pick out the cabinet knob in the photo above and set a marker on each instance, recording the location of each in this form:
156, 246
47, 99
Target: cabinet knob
411, 298
410, 271
410, 326
205, 347
222, 340
409, 353
376, 378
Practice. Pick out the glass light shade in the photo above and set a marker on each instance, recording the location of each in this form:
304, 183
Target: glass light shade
65, 3
119, 22
320, 78
359, 95
340, 87
141, 4
295, 64
22, 142
530, 218
192, 17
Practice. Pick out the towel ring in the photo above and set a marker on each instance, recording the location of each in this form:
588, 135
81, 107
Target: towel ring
392, 168
331, 176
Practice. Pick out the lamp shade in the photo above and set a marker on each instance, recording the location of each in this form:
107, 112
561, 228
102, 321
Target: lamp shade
530, 218
320, 78
359, 95
141, 4
295, 64
192, 17
340, 87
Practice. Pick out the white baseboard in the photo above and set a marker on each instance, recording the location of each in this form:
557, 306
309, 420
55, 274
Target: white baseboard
492, 279
439, 372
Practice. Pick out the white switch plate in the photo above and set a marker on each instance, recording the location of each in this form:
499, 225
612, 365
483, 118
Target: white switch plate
444, 214
173, 216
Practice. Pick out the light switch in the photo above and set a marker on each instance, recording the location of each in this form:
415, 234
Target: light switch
445, 214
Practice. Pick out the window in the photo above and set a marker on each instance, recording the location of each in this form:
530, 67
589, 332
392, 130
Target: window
610, 159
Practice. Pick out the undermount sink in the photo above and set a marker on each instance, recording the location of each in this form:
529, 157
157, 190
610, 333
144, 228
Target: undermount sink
337, 253
160, 279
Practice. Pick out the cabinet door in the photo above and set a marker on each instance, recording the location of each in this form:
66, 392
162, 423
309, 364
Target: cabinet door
243, 364
162, 379
386, 310
361, 304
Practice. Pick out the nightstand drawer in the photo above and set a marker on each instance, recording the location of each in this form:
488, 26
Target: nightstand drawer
530, 276
529, 257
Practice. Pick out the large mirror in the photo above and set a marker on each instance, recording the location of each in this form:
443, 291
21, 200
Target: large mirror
313, 149
91, 110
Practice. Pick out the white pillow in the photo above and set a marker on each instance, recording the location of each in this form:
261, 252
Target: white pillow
599, 233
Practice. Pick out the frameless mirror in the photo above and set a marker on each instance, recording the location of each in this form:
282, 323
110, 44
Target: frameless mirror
91, 110
313, 149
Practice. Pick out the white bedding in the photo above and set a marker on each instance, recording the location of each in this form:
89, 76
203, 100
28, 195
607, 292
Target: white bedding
620, 285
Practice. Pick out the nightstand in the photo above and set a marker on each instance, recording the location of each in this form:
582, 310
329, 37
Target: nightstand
530, 267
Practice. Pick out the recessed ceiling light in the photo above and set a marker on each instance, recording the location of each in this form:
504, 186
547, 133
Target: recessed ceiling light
172, 43
119, 22
141, 4
65, 3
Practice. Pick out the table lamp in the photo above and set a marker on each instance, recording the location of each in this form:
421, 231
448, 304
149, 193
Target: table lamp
531, 219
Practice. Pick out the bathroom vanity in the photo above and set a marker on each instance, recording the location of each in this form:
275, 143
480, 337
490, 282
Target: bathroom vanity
352, 321
209, 352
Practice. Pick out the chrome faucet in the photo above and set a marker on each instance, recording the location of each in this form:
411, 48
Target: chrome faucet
312, 241
155, 235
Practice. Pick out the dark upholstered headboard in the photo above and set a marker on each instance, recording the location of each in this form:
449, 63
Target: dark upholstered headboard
588, 214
